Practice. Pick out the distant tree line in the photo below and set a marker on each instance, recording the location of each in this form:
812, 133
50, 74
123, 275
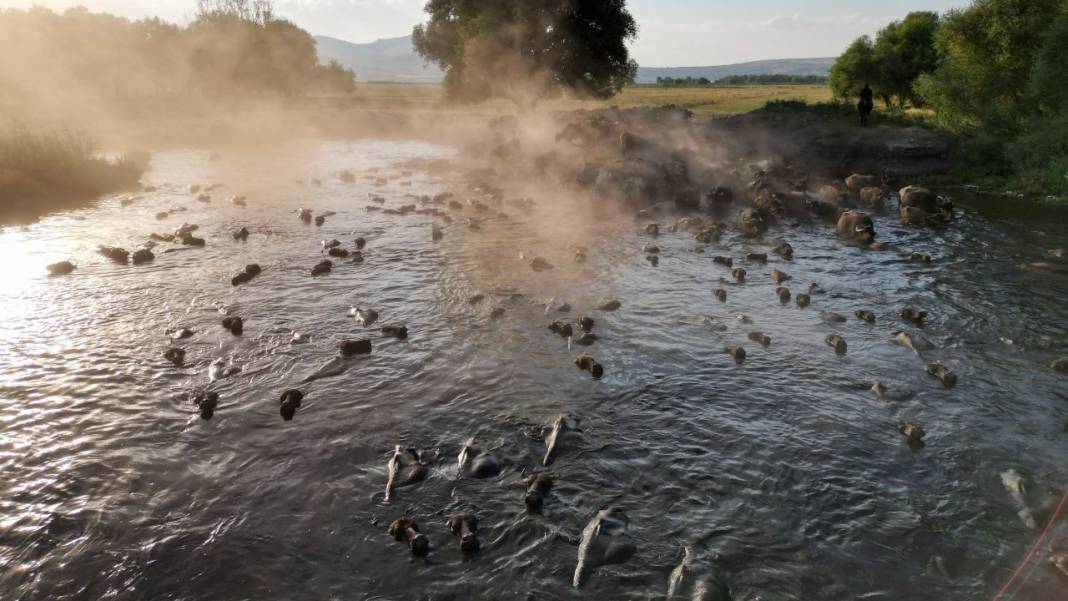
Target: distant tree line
743, 80
776, 79
232, 47
995, 72
683, 81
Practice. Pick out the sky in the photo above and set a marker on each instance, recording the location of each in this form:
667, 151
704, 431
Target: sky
672, 33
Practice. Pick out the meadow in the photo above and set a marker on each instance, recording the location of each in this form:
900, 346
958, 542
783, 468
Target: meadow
706, 103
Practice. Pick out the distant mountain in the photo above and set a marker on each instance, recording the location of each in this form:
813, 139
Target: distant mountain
392, 59
784, 66
395, 59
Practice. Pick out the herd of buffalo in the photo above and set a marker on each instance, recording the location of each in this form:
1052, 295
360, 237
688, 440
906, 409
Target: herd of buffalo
634, 171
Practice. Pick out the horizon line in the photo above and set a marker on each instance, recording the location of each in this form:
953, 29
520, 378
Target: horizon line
641, 66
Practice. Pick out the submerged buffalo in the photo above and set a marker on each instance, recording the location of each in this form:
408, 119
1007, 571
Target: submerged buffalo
406, 467
61, 268
690, 580
605, 541
770, 205
920, 206
407, 529
464, 526
752, 223
872, 197
538, 487
856, 226
857, 182
474, 463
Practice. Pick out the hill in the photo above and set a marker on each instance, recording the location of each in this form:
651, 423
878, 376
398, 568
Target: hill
395, 59
392, 59
785, 66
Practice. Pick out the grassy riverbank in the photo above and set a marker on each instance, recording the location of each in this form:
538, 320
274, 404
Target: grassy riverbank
46, 171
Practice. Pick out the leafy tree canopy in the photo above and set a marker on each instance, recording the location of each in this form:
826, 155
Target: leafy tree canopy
900, 53
529, 50
231, 48
999, 62
903, 51
1001, 79
855, 68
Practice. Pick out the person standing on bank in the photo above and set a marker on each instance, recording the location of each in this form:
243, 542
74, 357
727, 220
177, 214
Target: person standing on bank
865, 105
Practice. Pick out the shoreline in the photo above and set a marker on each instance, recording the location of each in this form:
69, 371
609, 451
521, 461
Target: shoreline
819, 139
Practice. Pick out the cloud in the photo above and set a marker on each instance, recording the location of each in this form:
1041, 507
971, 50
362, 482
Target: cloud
664, 42
796, 21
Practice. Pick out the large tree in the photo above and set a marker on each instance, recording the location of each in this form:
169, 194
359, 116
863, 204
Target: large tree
904, 50
1001, 79
529, 50
240, 46
855, 68
992, 55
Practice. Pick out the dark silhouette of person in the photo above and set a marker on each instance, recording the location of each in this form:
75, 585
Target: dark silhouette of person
866, 104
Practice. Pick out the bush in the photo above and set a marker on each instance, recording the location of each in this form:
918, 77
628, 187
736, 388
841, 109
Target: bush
1040, 155
1001, 84
987, 56
41, 171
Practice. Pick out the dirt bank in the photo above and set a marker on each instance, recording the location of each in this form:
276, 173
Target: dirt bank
824, 140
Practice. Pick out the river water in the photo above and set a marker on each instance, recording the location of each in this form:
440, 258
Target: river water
784, 473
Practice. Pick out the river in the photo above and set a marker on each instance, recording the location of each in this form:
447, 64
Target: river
783, 471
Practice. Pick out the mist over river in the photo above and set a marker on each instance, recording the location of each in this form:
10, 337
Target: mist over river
785, 473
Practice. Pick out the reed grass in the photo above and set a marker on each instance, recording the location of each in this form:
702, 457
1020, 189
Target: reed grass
41, 171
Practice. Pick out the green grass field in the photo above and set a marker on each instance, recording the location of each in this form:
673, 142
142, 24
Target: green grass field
705, 102
709, 102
